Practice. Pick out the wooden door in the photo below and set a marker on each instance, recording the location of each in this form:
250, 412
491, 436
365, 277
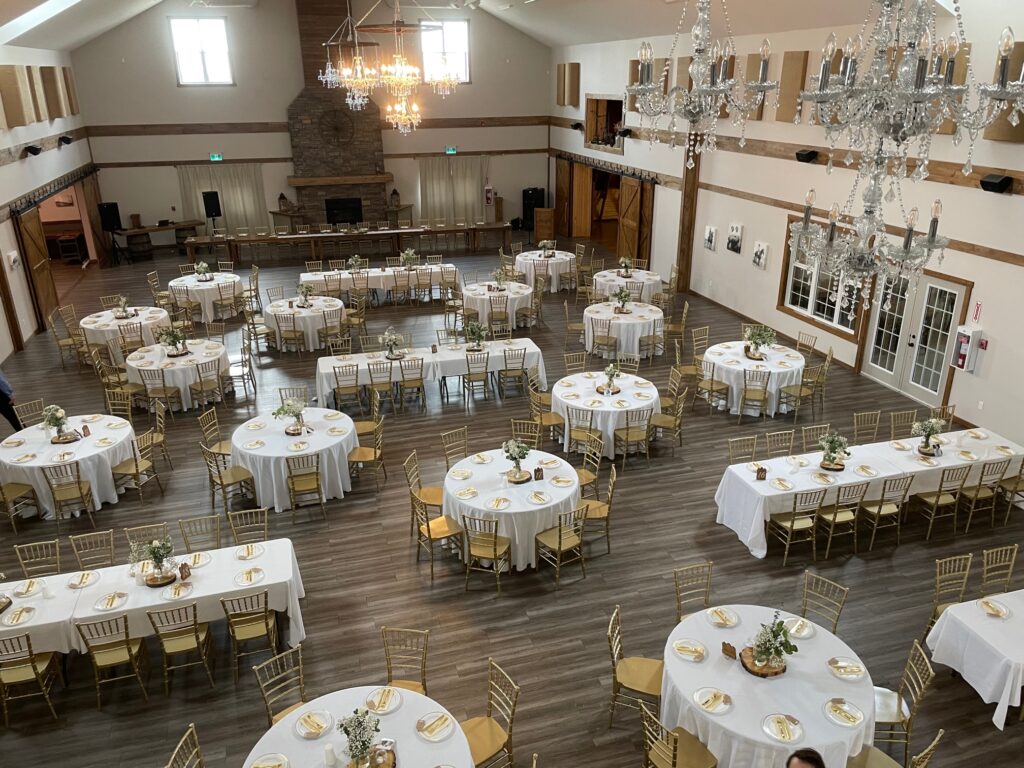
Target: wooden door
34, 255
563, 197
643, 250
582, 182
543, 224
90, 186
629, 217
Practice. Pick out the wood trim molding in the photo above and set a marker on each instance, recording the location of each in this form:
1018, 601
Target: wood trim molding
185, 129
16, 153
331, 181
513, 121
672, 182
196, 161
470, 153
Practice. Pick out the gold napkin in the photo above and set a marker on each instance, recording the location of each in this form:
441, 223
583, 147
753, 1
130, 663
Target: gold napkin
111, 599
29, 586
845, 668
722, 619
798, 628
538, 498
782, 728
83, 577
197, 558
711, 702
991, 608
689, 650
312, 723
466, 493
431, 729
247, 575
249, 550
16, 616
836, 708
498, 502
383, 699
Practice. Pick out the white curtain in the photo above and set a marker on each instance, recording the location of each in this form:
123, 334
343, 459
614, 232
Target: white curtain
452, 188
240, 186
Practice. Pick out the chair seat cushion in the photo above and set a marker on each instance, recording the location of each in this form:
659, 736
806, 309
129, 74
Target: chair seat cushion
887, 707
585, 476
596, 510
21, 672
481, 546
832, 515
549, 539
936, 498
631, 434
796, 390
131, 467
712, 385
486, 737
111, 657
363, 453
250, 629
793, 522
663, 421
234, 475
287, 711
640, 674
441, 527
409, 685
979, 492
364, 427
550, 419
431, 495
691, 753
305, 483
205, 385
182, 641
70, 492
871, 509
13, 491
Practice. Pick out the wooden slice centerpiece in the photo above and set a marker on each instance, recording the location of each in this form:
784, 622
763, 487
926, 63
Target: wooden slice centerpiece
765, 670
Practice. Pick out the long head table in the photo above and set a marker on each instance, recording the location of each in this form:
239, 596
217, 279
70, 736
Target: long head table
744, 503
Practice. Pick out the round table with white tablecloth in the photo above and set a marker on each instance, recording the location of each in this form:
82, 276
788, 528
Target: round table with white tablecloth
557, 265
411, 720
627, 328
208, 291
521, 516
609, 411
261, 446
178, 371
478, 297
309, 319
743, 732
608, 282
101, 327
786, 367
24, 454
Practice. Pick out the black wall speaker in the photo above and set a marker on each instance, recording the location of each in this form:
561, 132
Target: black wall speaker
211, 202
110, 217
995, 182
533, 197
807, 155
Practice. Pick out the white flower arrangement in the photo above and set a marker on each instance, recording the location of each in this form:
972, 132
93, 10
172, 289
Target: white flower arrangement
515, 451
170, 337
625, 262
547, 245
390, 339
202, 268
759, 336
361, 729
499, 276
122, 304
305, 290
55, 418
927, 429
408, 257
157, 550
290, 408
622, 296
353, 263
772, 643
611, 371
475, 332
833, 446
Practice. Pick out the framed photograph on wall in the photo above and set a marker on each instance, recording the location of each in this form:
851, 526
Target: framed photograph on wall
760, 255
710, 237
734, 240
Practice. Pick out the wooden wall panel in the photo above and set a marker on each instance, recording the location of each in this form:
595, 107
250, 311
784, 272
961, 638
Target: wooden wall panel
563, 197
629, 217
54, 92
572, 84
543, 224
560, 85
15, 97
1001, 130
35, 89
71, 90
791, 82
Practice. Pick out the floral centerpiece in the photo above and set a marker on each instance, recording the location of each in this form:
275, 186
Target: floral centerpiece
408, 258
499, 278
547, 248
755, 338
55, 419
158, 552
926, 430
173, 340
475, 334
609, 388
291, 409
622, 296
391, 339
203, 272
625, 266
516, 451
305, 291
123, 311
352, 264
361, 729
772, 644
834, 451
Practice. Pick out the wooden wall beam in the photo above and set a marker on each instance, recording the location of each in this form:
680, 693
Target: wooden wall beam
687, 223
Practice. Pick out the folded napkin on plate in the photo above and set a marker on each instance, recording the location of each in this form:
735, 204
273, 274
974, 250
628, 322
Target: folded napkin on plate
991, 608
782, 728
689, 650
434, 727
538, 497
312, 723
498, 502
722, 618
383, 699
845, 668
837, 709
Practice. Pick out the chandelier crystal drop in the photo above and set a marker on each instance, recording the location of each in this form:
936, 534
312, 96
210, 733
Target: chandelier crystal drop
712, 89
400, 78
444, 85
403, 116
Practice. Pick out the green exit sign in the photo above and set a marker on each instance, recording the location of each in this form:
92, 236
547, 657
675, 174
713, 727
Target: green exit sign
451, 150
216, 157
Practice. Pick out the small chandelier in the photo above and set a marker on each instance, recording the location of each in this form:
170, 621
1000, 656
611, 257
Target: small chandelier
400, 78
444, 84
403, 116
359, 80
712, 88
356, 78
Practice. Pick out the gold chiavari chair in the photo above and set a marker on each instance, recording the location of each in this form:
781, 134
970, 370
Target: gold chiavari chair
599, 513
405, 654
430, 531
743, 449
65, 342
795, 395
180, 634
370, 457
250, 621
797, 525
476, 375
628, 363
282, 683
249, 526
754, 393
840, 517
669, 423
580, 424
411, 383
997, 568
534, 383
887, 510
346, 386
455, 445
69, 491
240, 371
181, 300
573, 329
140, 535
40, 558
603, 343
1011, 491
805, 344
29, 413
200, 533
227, 478
139, 469
500, 331
901, 424
304, 483
226, 303
110, 302
22, 669
331, 327
300, 394
693, 588
481, 543
93, 550
340, 346
15, 498
865, 427
208, 387
812, 434
365, 427
575, 362
635, 436
589, 475
514, 371
779, 443
158, 390
288, 335
382, 382
714, 392
823, 599
188, 753
944, 502
186, 269
258, 331
550, 422
314, 266
873, 757
110, 646
676, 748
982, 496
429, 495
119, 403
490, 736
635, 679
944, 412
951, 574
653, 343
210, 427
563, 544
895, 710
526, 431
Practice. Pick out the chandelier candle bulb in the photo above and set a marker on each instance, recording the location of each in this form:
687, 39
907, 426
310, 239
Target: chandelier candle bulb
833, 220
923, 46
908, 238
723, 65
766, 52
933, 226
952, 48
808, 205
1005, 49
940, 53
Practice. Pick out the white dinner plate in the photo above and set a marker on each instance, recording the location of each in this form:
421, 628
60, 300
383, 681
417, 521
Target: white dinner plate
865, 471
723, 618
843, 713
538, 497
16, 617
994, 608
27, 588
712, 700
249, 576
249, 552
461, 474
466, 493
255, 425
383, 701
271, 760
83, 579
691, 650
177, 591
252, 445
498, 503
197, 559
435, 726
334, 415
312, 725
482, 458
561, 482
111, 602
799, 627
337, 431
846, 668
784, 728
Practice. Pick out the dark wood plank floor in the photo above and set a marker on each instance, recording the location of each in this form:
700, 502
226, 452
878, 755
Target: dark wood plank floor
360, 573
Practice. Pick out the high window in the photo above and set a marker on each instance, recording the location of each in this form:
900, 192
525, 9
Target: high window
201, 51
445, 48
814, 292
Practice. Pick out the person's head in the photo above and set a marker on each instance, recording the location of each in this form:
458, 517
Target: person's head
805, 758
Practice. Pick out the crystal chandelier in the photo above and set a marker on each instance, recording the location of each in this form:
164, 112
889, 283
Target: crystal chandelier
444, 84
403, 116
358, 79
700, 105
399, 78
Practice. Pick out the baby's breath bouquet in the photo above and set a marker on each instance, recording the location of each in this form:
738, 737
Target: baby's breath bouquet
759, 336
516, 451
305, 291
499, 277
772, 643
361, 729
353, 264
475, 332
202, 268
626, 265
408, 257
926, 430
834, 448
622, 296
55, 418
170, 337
390, 339
611, 372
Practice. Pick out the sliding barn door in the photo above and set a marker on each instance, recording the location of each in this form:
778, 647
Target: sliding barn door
91, 203
643, 249
629, 217
37, 260
563, 197
582, 214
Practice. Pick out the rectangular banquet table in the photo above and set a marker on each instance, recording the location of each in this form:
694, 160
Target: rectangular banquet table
745, 504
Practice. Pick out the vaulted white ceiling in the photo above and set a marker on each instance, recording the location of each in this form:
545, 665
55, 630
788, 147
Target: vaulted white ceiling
63, 25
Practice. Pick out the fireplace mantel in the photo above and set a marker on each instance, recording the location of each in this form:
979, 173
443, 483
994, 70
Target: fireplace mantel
339, 181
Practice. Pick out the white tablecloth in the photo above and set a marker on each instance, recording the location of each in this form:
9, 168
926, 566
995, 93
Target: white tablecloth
477, 297
987, 652
735, 737
102, 326
521, 520
609, 281
309, 320
206, 292
785, 365
626, 328
526, 262
610, 411
376, 278
744, 503
94, 459
178, 371
52, 626
411, 750
268, 463
449, 360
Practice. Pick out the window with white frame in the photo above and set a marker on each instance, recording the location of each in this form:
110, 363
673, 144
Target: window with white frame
816, 293
445, 48
201, 51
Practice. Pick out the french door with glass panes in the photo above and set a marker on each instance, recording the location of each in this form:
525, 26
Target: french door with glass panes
911, 337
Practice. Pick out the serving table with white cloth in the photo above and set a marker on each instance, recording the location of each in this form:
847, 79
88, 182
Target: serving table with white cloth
610, 280
412, 750
987, 650
735, 735
745, 503
580, 391
178, 371
262, 446
785, 365
558, 265
377, 278
627, 328
101, 327
208, 291
520, 519
24, 454
478, 297
449, 360
309, 319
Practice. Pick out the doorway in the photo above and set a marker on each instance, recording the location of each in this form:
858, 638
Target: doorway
604, 227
